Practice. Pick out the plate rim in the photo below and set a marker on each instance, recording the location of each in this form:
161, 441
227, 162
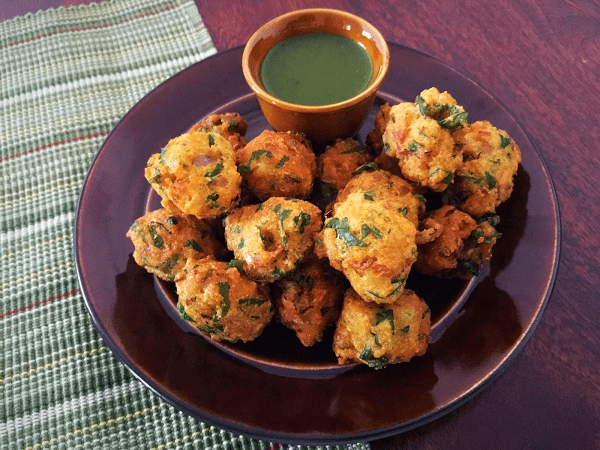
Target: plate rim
312, 438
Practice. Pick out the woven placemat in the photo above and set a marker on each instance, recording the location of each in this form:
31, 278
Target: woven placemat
67, 76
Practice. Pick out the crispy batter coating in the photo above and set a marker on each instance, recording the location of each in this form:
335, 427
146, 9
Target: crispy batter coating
164, 241
378, 335
442, 107
278, 164
390, 191
309, 300
221, 302
197, 173
425, 151
459, 247
375, 137
485, 178
372, 244
274, 237
232, 126
338, 163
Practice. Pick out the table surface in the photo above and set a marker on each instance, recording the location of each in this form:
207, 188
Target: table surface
542, 61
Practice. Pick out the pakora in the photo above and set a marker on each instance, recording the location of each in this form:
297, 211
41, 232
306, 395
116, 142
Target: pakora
196, 172
221, 302
274, 237
382, 334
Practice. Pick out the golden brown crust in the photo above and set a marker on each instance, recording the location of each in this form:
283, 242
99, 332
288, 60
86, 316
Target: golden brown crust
338, 163
163, 242
309, 300
272, 238
485, 178
232, 126
378, 335
196, 172
278, 164
221, 302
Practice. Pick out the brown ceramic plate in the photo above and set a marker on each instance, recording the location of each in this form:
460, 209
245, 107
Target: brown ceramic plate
479, 328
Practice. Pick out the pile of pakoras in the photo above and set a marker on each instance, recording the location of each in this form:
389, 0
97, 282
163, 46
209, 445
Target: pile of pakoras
251, 231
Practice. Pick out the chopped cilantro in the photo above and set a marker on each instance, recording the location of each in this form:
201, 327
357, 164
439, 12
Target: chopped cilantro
244, 169
282, 161
369, 195
376, 363
490, 180
301, 221
193, 244
355, 149
237, 263
366, 230
182, 313
368, 167
405, 329
211, 140
224, 291
384, 314
156, 239
172, 220
216, 171
250, 301
342, 230
504, 141
413, 146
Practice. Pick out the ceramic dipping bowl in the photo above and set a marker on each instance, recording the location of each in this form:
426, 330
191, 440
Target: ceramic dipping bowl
326, 122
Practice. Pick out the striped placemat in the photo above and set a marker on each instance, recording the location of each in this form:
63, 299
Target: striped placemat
67, 76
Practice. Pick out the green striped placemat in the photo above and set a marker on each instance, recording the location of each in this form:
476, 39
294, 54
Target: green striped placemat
66, 77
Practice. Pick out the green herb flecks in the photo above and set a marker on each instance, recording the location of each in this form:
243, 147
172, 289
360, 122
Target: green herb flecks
162, 155
470, 267
490, 180
172, 220
368, 195
405, 329
212, 200
504, 141
376, 338
427, 311
211, 140
421, 198
216, 171
422, 104
414, 146
156, 239
384, 314
368, 167
224, 291
449, 178
282, 161
302, 220
367, 230
403, 211
456, 118
355, 149
342, 230
244, 169
241, 244
183, 314
237, 263
479, 237
193, 244
250, 301
368, 357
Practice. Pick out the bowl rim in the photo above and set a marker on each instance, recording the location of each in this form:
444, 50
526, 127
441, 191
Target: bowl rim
370, 90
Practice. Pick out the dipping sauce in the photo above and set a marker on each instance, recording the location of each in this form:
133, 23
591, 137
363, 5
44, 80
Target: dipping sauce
316, 69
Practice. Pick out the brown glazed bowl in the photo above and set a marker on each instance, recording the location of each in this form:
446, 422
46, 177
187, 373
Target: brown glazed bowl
319, 123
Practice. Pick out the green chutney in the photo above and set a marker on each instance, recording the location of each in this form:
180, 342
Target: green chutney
316, 69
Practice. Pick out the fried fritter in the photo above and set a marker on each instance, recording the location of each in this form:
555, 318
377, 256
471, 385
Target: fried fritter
309, 300
485, 178
336, 166
197, 173
459, 247
274, 237
221, 302
374, 245
442, 107
278, 164
164, 241
232, 126
425, 151
390, 191
378, 335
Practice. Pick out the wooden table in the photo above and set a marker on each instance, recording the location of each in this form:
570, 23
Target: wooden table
542, 60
